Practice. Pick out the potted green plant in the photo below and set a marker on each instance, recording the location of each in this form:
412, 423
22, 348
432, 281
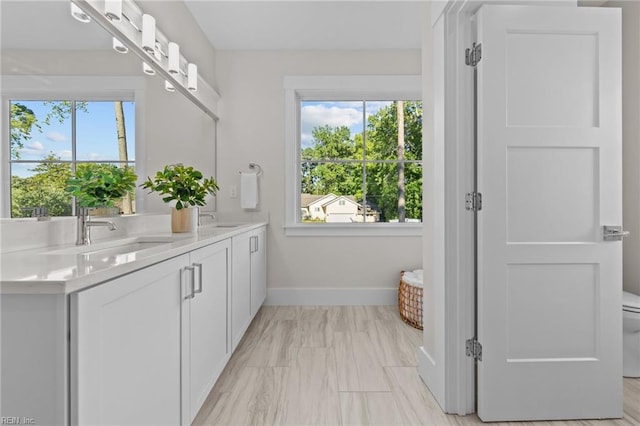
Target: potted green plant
188, 188
101, 186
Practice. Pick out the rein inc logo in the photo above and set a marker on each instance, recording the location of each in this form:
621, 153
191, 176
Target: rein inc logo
7, 420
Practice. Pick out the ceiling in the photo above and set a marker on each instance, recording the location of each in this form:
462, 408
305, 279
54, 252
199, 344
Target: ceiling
309, 25
238, 24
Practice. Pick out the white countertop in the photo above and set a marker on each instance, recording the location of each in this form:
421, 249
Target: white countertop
58, 270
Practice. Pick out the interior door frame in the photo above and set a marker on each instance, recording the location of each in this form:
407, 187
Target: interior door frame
457, 16
457, 268
459, 139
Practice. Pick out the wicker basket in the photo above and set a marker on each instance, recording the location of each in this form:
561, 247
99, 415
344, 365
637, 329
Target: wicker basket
410, 303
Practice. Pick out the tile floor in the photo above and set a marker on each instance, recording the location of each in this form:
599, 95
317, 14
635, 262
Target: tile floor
338, 365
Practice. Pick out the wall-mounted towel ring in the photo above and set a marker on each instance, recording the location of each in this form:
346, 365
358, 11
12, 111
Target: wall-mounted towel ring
256, 167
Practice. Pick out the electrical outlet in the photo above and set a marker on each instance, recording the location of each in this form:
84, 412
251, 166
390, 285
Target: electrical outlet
233, 191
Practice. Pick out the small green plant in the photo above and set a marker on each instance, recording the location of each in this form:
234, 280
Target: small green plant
101, 185
187, 186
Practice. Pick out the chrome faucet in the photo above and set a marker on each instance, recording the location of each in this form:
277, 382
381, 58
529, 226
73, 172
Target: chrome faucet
203, 214
84, 226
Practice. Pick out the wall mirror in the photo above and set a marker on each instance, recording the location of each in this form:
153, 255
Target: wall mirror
73, 105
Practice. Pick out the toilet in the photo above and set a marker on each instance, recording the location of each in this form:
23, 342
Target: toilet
630, 334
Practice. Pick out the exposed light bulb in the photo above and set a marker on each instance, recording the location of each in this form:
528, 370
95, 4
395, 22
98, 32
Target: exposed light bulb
174, 58
148, 33
119, 47
113, 10
169, 87
192, 77
79, 14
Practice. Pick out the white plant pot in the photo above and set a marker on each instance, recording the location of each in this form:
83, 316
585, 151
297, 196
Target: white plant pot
184, 220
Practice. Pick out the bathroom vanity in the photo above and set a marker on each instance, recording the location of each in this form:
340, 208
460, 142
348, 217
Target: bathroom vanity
130, 331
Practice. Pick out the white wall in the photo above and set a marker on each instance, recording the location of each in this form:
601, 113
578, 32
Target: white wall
630, 140
251, 129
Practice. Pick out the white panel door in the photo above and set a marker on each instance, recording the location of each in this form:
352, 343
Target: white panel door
549, 170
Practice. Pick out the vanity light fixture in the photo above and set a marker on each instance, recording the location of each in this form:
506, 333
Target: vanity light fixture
119, 47
113, 10
173, 58
137, 32
157, 54
79, 14
148, 33
147, 69
192, 77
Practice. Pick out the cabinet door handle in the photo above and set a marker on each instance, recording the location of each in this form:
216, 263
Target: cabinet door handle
199, 266
192, 294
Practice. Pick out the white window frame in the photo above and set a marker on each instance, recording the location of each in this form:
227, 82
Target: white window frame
337, 88
55, 88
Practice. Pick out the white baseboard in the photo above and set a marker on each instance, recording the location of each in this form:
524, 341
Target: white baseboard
331, 296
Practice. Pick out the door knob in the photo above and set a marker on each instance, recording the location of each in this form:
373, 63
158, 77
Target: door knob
613, 233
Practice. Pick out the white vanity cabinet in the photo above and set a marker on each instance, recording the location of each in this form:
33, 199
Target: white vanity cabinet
126, 348
205, 320
258, 250
249, 282
240, 287
134, 345
150, 345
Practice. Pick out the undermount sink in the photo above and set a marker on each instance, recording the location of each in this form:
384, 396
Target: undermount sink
116, 247
221, 225
218, 228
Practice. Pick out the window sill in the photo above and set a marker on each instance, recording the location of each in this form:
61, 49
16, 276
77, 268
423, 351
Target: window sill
354, 230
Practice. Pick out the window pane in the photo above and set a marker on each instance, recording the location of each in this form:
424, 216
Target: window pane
332, 136
40, 185
382, 130
97, 134
384, 192
330, 192
413, 192
331, 130
40, 129
111, 195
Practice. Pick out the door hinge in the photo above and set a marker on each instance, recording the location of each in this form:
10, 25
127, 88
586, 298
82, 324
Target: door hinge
473, 201
474, 349
473, 55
